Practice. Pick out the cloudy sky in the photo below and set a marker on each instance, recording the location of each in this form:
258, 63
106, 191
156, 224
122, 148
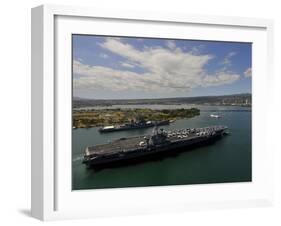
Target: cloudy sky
122, 68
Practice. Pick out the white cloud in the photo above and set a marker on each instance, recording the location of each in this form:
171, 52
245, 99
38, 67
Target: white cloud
128, 65
221, 78
227, 60
231, 54
171, 44
165, 70
248, 72
196, 50
103, 55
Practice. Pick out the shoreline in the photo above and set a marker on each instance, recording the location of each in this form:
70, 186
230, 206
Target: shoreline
105, 117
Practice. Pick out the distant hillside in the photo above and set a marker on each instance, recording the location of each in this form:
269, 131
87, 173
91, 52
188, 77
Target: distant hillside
235, 99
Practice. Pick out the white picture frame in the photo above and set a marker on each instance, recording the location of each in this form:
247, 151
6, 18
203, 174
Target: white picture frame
52, 197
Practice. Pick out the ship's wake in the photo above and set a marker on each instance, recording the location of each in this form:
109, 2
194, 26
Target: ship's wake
77, 158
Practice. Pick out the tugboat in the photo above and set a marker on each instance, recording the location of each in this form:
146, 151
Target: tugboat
215, 116
159, 143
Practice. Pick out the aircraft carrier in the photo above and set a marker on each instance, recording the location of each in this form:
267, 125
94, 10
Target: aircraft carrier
157, 144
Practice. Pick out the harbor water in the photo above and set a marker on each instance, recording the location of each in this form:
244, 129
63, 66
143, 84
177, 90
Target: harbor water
227, 160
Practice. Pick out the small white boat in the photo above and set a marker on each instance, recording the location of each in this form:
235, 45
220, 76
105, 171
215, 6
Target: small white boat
215, 116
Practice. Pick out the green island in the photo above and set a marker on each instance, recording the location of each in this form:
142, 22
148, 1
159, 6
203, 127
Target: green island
104, 117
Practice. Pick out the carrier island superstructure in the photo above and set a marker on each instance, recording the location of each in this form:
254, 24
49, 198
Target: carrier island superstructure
157, 144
